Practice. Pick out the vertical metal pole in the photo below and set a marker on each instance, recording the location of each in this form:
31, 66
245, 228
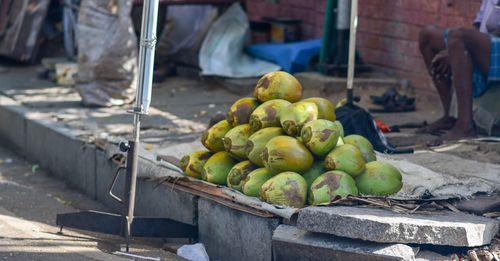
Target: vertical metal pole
142, 102
146, 55
329, 26
352, 50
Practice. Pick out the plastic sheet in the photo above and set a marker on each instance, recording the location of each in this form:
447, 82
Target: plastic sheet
107, 53
222, 53
194, 252
185, 28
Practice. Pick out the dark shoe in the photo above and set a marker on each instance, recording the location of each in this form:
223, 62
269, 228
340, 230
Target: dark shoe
386, 96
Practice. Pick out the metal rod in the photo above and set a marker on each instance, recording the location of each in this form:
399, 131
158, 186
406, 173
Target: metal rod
130, 186
352, 50
142, 102
146, 56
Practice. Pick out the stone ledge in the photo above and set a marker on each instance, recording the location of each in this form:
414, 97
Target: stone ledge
291, 243
330, 85
229, 234
384, 226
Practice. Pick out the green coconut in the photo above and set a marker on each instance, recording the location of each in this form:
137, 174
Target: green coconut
278, 85
254, 180
192, 164
347, 158
238, 174
217, 167
326, 110
340, 127
294, 116
235, 140
212, 138
314, 172
267, 114
320, 136
285, 153
379, 179
363, 144
285, 189
239, 113
340, 142
330, 185
257, 141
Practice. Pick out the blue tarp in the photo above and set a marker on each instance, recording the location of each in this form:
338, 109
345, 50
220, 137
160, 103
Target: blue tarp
292, 57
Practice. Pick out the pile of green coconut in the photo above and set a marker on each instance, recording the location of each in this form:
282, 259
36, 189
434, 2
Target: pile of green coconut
289, 151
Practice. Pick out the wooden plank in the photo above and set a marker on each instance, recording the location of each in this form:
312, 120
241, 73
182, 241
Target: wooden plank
215, 194
4, 16
26, 18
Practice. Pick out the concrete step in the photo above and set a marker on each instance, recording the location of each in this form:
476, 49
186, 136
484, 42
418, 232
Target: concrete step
385, 226
291, 243
316, 84
242, 87
319, 83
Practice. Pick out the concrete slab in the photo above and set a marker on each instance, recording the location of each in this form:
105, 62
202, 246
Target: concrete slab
380, 225
479, 204
154, 200
426, 255
408, 139
35, 144
105, 171
86, 170
179, 150
291, 243
462, 168
55, 149
13, 127
242, 87
330, 85
151, 200
49, 144
230, 234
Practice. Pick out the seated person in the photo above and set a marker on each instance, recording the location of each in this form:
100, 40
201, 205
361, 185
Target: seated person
465, 59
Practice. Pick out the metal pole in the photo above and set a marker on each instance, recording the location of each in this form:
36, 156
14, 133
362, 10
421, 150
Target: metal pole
352, 50
146, 55
142, 102
329, 25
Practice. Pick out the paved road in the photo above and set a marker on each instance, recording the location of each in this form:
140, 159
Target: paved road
29, 202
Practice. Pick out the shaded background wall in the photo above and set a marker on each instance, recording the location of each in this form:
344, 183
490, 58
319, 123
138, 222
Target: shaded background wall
388, 29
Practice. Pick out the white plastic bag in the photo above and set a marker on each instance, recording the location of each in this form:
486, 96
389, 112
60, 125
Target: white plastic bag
107, 53
222, 53
185, 28
194, 252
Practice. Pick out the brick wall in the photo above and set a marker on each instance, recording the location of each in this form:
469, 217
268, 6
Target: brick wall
388, 33
311, 12
388, 29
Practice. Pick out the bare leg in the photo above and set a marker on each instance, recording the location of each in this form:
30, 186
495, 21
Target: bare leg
431, 42
466, 47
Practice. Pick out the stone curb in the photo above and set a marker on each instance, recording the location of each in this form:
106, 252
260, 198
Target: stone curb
90, 170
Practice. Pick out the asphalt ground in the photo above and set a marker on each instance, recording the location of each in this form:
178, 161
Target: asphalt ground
29, 202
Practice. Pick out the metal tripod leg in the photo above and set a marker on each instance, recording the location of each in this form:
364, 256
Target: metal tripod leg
130, 186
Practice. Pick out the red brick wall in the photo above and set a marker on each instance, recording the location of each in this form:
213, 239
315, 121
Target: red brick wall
311, 12
388, 33
388, 29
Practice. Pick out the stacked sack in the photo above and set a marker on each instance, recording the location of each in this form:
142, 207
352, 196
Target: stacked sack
289, 151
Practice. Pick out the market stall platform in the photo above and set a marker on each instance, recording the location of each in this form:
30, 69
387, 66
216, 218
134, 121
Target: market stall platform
79, 145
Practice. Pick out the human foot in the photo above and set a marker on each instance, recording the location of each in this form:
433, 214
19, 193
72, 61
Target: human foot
444, 123
458, 133
454, 134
